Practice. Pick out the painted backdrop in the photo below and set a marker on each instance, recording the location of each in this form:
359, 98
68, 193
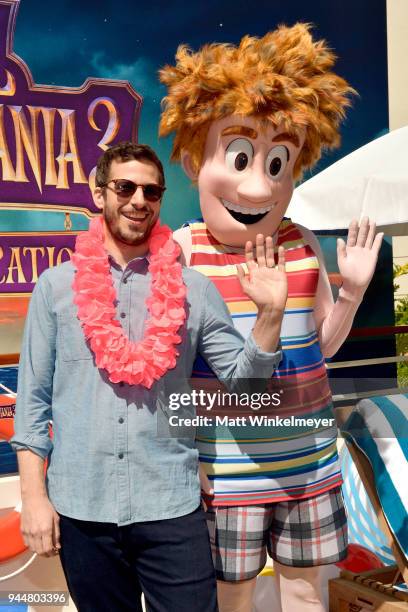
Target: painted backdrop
132, 40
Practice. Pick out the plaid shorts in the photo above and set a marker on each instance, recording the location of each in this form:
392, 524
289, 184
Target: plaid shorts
299, 533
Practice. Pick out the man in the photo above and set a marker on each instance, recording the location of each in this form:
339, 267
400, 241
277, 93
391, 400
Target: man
248, 119
121, 503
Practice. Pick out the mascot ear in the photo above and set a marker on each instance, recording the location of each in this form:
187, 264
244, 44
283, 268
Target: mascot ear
187, 165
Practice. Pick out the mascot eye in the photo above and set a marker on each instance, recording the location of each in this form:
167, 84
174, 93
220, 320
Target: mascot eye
239, 154
276, 162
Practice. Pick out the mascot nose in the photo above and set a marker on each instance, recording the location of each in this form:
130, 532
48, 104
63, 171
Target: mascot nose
256, 187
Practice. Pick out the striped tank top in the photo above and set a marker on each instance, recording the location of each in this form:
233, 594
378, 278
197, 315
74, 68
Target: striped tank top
269, 460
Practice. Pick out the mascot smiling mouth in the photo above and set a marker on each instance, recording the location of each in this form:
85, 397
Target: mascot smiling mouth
246, 219
246, 215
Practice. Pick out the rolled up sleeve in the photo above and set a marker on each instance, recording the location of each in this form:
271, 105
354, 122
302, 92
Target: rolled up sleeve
35, 375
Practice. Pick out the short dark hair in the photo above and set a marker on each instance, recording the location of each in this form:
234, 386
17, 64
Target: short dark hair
126, 151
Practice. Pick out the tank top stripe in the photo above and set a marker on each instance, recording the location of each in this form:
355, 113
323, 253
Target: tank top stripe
263, 463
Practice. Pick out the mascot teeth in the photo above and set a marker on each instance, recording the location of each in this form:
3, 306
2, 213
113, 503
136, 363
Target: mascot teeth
245, 210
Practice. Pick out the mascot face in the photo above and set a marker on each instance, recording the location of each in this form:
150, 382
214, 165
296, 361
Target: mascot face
246, 178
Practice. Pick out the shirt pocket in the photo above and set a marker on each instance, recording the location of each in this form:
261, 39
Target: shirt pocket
72, 343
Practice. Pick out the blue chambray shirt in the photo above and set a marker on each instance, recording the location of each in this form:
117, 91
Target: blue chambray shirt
106, 460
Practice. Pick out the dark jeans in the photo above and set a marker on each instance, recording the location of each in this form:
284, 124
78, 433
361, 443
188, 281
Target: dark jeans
108, 567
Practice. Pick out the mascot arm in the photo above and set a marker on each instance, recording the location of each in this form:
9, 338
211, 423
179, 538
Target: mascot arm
333, 319
183, 237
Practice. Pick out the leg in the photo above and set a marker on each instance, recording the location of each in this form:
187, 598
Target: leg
306, 534
97, 573
238, 542
299, 588
235, 596
172, 558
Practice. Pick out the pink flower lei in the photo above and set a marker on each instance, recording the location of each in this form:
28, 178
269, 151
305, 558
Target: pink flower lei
136, 363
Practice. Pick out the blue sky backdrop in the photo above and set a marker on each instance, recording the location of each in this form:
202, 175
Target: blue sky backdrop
70, 40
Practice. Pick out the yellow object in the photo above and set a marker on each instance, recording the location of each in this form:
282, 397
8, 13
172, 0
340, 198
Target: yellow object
267, 571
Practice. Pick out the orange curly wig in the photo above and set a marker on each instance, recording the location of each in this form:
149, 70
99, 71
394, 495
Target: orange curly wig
283, 78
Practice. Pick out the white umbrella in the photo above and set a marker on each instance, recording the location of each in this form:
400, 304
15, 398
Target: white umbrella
371, 181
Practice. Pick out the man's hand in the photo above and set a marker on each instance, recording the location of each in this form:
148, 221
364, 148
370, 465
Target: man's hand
40, 526
266, 284
357, 259
206, 488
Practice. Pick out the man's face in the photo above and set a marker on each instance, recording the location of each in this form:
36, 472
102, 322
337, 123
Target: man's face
129, 219
246, 178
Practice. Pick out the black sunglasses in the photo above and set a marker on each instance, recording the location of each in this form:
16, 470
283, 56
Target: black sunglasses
125, 188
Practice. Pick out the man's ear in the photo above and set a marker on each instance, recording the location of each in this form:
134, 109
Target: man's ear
187, 165
98, 197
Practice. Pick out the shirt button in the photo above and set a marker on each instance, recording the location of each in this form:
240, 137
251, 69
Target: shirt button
121, 420
123, 315
125, 281
120, 455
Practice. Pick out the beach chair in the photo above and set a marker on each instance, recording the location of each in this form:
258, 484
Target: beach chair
377, 438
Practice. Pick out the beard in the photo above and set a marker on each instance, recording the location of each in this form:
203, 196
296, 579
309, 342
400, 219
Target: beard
124, 232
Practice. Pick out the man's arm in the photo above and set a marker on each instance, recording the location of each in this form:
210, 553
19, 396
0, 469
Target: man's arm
232, 360
267, 327
357, 261
222, 345
39, 521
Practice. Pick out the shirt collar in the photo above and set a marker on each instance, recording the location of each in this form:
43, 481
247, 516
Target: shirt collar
134, 264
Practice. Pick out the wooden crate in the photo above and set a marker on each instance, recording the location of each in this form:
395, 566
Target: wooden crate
370, 590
